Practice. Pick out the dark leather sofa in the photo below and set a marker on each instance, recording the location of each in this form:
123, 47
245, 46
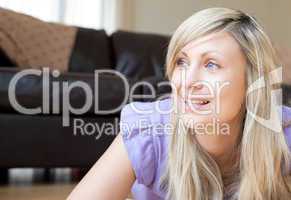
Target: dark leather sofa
40, 140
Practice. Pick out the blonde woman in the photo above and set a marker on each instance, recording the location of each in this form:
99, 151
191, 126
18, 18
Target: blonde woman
210, 139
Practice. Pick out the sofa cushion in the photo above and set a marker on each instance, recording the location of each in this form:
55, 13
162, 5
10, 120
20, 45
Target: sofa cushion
109, 92
139, 55
91, 51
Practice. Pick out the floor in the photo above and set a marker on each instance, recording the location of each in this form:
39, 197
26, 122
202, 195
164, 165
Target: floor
37, 184
36, 192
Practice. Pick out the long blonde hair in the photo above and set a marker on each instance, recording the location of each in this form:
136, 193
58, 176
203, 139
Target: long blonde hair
263, 164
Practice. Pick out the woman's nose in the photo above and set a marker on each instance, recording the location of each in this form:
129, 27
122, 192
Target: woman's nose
190, 74
194, 80
197, 85
192, 88
192, 83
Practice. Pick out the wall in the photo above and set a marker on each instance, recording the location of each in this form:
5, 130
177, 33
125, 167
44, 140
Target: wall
164, 16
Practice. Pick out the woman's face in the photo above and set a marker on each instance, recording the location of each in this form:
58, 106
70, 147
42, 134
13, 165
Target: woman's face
209, 78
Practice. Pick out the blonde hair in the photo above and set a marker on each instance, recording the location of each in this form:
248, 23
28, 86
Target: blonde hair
264, 158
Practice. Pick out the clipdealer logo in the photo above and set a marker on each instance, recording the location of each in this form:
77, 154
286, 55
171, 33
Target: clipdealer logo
92, 97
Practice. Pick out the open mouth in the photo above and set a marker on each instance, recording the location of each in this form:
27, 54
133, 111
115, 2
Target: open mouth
198, 102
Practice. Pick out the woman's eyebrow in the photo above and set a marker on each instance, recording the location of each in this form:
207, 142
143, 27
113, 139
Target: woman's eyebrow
184, 53
203, 54
209, 52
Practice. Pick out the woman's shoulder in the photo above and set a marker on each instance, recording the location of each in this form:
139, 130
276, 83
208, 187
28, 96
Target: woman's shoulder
146, 116
145, 137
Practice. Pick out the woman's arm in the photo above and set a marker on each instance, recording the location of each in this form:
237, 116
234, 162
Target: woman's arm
110, 178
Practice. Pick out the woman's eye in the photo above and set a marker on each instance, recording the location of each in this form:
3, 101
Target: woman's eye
212, 66
181, 62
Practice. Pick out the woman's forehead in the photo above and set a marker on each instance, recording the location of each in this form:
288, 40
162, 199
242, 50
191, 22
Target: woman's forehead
220, 42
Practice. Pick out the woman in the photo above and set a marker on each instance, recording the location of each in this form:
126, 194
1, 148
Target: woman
219, 144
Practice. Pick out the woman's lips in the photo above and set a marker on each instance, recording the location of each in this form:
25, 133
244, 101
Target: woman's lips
195, 106
199, 102
192, 105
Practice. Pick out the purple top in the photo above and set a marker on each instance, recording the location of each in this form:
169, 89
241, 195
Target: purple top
145, 138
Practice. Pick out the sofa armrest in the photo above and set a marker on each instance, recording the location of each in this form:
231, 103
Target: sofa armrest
30, 88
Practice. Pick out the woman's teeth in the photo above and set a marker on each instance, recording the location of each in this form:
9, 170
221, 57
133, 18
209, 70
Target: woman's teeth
199, 102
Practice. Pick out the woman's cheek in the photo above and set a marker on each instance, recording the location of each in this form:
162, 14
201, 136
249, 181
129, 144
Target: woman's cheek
231, 101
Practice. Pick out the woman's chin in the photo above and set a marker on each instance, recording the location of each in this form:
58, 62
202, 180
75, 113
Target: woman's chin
194, 120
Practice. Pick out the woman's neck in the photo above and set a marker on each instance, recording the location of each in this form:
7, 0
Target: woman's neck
224, 149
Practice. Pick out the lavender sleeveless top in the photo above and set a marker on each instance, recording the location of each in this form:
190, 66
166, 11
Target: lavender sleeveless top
145, 132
